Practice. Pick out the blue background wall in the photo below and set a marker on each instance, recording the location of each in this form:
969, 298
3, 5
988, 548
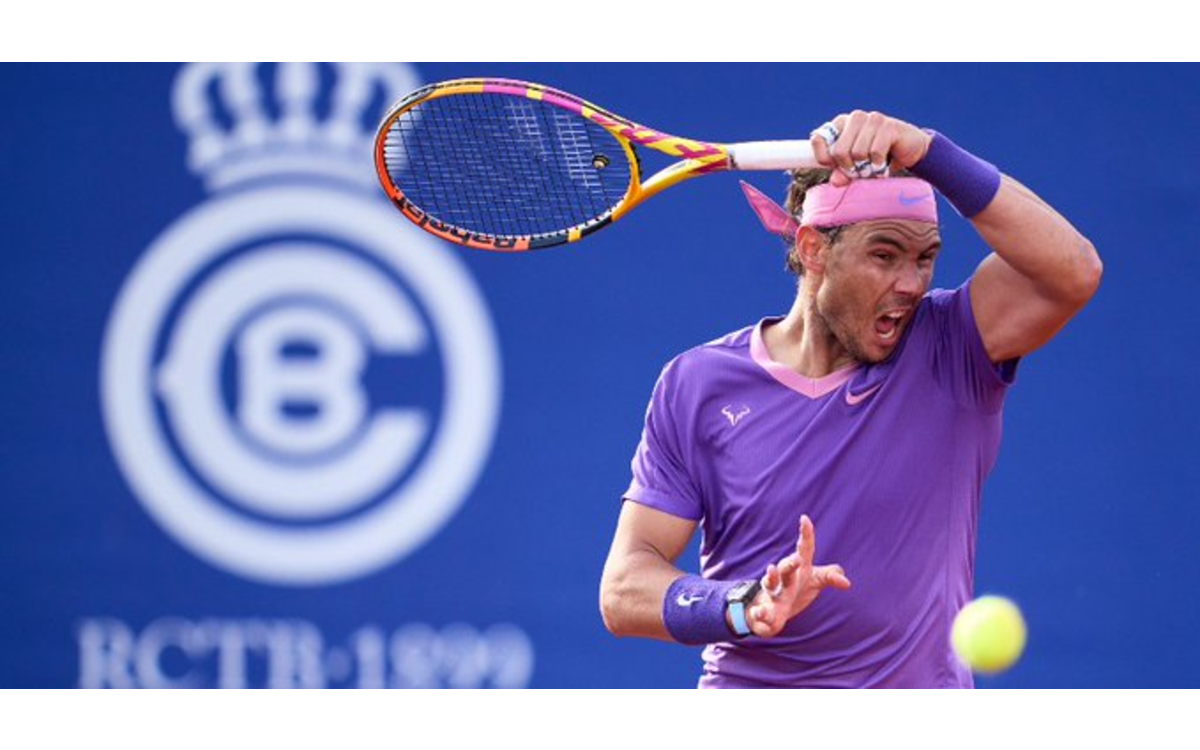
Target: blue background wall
1090, 518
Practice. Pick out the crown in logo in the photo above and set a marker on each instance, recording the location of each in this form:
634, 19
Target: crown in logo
288, 121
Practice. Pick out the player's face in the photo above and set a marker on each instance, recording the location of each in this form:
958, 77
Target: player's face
874, 278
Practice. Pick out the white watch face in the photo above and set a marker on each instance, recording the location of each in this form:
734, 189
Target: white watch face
742, 593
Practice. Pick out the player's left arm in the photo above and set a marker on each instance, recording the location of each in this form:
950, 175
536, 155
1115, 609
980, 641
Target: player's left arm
1042, 271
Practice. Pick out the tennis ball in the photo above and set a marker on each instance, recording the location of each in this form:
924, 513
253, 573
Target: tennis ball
989, 634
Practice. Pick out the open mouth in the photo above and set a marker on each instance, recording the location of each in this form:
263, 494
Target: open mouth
888, 326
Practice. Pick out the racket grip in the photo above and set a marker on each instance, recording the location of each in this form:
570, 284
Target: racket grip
771, 155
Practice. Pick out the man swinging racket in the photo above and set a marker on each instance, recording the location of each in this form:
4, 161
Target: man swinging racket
872, 411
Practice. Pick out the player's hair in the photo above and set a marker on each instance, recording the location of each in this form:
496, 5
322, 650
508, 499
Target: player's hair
802, 180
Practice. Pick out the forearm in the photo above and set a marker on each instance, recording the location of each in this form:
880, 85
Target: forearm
1039, 244
632, 591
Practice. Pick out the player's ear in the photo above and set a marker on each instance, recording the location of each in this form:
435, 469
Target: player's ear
813, 250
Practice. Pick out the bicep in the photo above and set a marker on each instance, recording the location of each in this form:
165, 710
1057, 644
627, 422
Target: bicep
1014, 318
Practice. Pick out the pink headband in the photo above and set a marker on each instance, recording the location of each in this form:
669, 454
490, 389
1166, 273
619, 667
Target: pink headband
862, 200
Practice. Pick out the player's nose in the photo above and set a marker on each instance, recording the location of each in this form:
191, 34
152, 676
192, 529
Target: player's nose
909, 280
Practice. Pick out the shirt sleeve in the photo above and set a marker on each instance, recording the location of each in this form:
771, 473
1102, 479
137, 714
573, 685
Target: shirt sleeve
661, 478
960, 360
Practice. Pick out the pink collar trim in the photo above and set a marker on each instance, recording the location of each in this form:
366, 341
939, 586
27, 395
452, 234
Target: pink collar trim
805, 386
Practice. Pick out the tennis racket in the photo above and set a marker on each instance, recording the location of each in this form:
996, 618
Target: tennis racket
506, 165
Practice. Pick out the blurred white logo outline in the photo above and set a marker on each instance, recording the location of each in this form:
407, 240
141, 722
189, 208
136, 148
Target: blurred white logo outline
295, 175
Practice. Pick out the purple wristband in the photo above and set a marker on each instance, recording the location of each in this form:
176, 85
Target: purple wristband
968, 182
694, 610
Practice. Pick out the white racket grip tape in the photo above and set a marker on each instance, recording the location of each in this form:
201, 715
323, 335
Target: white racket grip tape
769, 155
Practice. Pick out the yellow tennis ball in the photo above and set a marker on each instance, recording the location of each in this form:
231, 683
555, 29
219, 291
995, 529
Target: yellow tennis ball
989, 634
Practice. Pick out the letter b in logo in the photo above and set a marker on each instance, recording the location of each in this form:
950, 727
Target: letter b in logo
293, 409
327, 381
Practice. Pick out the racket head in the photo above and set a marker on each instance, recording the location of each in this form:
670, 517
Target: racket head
507, 165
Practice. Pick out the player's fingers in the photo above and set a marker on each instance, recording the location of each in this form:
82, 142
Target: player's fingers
792, 576
849, 126
824, 138
762, 629
879, 152
772, 581
762, 619
788, 565
870, 124
831, 575
860, 149
820, 147
806, 545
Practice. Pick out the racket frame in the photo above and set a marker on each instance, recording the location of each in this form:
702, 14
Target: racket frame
696, 158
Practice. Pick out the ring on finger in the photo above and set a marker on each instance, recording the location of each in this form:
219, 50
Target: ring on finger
863, 167
828, 132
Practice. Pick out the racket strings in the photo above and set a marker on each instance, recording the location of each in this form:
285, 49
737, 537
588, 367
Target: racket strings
504, 165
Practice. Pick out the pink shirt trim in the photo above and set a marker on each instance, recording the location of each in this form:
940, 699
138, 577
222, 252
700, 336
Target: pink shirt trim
789, 377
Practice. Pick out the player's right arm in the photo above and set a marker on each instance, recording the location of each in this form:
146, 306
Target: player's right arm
642, 592
640, 568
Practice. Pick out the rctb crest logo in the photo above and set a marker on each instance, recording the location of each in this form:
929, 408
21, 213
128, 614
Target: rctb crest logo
299, 387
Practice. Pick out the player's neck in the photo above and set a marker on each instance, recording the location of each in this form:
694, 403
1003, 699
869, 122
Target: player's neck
803, 342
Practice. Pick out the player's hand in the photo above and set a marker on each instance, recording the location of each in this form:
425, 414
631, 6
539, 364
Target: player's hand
795, 582
868, 143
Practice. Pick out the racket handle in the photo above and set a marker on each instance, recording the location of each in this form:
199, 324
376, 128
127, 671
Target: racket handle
771, 155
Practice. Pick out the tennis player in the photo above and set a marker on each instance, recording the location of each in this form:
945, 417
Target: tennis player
872, 411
